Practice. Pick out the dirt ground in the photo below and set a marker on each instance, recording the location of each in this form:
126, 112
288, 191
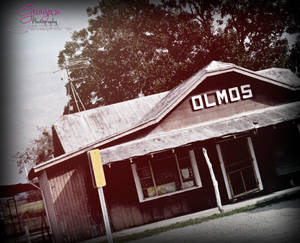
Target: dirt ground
274, 223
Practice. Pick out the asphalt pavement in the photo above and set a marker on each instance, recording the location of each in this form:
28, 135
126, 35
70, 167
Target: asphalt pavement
274, 223
210, 232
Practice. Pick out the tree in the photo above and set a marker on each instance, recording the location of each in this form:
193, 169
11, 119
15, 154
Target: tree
255, 30
142, 47
133, 47
37, 151
293, 59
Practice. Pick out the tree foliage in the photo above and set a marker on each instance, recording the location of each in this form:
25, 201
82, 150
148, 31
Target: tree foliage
294, 58
140, 47
37, 151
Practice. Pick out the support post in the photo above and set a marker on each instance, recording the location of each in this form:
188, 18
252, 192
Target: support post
224, 171
214, 181
105, 215
48, 201
99, 181
254, 161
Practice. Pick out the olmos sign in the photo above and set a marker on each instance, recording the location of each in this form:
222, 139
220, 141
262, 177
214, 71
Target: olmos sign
224, 96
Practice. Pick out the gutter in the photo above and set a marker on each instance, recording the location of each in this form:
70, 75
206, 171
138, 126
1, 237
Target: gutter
154, 120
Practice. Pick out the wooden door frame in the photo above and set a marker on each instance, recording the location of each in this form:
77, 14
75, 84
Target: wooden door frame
254, 164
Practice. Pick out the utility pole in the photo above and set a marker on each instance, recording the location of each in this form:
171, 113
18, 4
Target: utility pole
73, 65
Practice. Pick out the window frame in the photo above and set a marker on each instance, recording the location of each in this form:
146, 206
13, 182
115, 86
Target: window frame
196, 174
253, 162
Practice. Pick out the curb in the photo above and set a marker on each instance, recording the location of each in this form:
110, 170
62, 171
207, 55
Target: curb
279, 195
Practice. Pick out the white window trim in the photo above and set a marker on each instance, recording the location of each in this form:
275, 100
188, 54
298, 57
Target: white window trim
195, 172
137, 182
195, 168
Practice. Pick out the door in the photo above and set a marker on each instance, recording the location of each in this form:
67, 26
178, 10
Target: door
239, 167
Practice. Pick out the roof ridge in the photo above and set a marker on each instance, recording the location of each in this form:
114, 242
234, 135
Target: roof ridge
163, 105
212, 66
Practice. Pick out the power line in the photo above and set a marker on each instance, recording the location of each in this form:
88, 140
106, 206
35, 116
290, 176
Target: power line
74, 65
72, 88
79, 99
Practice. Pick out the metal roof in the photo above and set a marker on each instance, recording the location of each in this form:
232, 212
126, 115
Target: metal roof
14, 189
81, 132
283, 75
79, 129
203, 131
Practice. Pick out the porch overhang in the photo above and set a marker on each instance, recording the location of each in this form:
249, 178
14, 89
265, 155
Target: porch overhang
246, 121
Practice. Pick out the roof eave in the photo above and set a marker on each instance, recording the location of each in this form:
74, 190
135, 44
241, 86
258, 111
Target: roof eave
160, 116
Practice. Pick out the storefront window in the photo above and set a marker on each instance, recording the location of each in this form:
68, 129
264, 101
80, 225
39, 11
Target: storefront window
164, 175
186, 170
146, 178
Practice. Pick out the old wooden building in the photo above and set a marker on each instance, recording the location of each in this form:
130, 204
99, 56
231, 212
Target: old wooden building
151, 148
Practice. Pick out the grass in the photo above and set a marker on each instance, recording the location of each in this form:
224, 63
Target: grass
186, 223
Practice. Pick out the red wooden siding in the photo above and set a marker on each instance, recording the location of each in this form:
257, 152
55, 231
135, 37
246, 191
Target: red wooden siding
73, 209
263, 95
77, 206
126, 211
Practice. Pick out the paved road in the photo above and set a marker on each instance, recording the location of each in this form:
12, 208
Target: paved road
279, 222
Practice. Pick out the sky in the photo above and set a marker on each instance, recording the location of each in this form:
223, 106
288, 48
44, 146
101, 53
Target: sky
34, 94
